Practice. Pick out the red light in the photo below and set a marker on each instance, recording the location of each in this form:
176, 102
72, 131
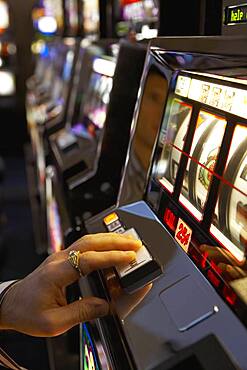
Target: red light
204, 260
229, 295
215, 267
213, 278
170, 219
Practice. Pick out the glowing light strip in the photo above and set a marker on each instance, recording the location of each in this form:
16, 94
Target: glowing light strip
166, 184
225, 242
225, 98
104, 67
193, 210
224, 78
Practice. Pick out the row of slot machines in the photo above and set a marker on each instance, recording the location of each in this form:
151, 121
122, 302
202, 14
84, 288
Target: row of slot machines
150, 140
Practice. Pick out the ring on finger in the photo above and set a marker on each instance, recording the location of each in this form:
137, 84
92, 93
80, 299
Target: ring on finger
74, 260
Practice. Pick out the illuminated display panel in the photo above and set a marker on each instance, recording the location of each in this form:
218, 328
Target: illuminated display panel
226, 98
91, 16
173, 134
230, 217
236, 14
202, 158
4, 16
95, 107
93, 356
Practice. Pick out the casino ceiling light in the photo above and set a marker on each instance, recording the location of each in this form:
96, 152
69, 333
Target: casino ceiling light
7, 83
47, 25
4, 16
104, 67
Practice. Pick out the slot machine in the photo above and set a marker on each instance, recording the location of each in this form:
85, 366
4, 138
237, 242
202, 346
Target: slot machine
185, 199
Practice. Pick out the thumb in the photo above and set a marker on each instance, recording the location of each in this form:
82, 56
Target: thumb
85, 309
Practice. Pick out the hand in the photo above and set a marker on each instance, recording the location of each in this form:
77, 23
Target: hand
37, 304
231, 269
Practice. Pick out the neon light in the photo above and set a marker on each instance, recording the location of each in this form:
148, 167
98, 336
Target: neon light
166, 184
193, 210
213, 278
226, 243
229, 295
104, 67
170, 219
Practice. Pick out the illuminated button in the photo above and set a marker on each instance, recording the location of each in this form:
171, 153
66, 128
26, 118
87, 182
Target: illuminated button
110, 218
114, 225
121, 230
142, 257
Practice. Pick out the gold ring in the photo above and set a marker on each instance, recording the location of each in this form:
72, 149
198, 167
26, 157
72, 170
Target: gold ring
74, 260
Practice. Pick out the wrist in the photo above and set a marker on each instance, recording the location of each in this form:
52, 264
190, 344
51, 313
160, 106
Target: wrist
5, 289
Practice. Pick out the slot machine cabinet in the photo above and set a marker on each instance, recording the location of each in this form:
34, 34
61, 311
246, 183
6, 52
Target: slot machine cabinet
191, 215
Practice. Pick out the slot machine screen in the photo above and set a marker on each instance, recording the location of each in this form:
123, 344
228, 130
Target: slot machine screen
91, 16
92, 353
4, 16
97, 99
138, 16
200, 168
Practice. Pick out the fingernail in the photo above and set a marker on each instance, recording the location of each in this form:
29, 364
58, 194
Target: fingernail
139, 243
131, 255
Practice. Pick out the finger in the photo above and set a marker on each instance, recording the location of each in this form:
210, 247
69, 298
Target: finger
215, 253
63, 274
86, 309
91, 261
105, 242
234, 272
